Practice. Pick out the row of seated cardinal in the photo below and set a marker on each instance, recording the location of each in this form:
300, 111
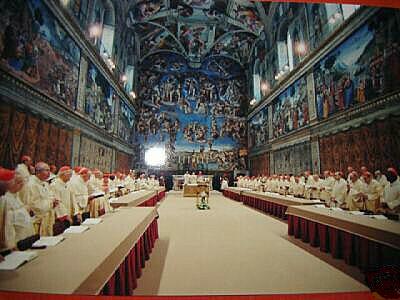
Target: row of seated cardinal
39, 201
378, 193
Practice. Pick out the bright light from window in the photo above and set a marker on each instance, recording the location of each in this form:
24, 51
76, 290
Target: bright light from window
264, 87
65, 2
95, 30
155, 156
301, 48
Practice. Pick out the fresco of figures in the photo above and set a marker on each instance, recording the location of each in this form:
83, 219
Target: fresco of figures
147, 9
237, 45
126, 122
154, 38
197, 114
246, 13
318, 19
35, 48
194, 38
100, 99
258, 129
365, 66
290, 110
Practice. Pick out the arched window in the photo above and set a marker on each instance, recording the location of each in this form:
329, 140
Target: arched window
348, 10
256, 80
103, 17
290, 51
282, 49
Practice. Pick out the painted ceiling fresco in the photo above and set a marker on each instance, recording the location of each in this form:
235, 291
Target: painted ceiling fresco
197, 29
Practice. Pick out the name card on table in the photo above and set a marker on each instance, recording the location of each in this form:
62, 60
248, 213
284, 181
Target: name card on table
16, 259
378, 217
76, 229
92, 221
97, 194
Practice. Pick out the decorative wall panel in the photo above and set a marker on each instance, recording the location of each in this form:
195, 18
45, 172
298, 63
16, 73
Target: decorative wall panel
290, 110
126, 122
100, 99
376, 146
258, 129
293, 160
25, 134
259, 164
123, 162
95, 155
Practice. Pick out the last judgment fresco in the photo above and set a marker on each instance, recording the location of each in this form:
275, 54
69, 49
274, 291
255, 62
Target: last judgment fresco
197, 114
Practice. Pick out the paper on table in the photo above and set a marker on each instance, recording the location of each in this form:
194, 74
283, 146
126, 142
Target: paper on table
97, 194
76, 229
356, 212
17, 258
92, 221
48, 241
319, 205
336, 208
315, 200
378, 217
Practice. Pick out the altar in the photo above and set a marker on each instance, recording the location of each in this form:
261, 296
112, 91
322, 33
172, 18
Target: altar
193, 189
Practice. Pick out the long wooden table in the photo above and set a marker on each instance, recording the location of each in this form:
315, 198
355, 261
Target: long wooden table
359, 240
273, 203
136, 198
82, 263
234, 193
160, 192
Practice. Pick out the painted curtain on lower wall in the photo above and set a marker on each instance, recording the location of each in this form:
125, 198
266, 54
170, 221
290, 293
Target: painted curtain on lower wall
259, 165
95, 155
376, 146
123, 162
23, 133
293, 160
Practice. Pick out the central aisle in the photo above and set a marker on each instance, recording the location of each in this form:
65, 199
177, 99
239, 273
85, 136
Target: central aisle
231, 249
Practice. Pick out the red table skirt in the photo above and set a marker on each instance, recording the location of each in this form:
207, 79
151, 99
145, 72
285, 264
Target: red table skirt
271, 208
151, 202
161, 195
355, 250
123, 281
231, 195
